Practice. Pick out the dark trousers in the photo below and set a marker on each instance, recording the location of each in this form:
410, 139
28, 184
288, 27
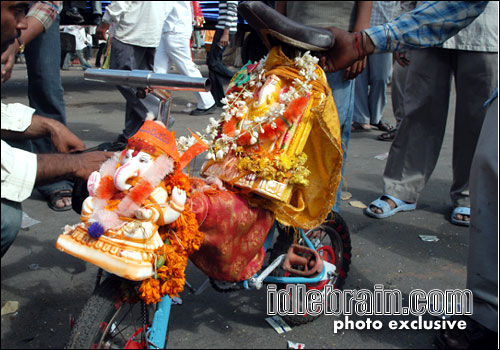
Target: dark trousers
217, 71
102, 48
129, 57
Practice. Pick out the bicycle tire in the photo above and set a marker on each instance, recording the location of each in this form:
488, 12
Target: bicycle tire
340, 241
100, 318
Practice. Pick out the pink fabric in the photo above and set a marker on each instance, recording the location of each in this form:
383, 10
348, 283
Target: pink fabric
234, 233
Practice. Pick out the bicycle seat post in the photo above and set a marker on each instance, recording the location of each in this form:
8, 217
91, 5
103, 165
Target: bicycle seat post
164, 106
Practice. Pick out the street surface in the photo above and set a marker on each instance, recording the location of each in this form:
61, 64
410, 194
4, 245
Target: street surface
51, 286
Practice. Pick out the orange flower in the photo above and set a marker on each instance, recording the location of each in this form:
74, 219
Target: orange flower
150, 291
179, 180
184, 238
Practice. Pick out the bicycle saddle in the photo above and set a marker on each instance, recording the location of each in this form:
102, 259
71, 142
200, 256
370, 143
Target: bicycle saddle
274, 28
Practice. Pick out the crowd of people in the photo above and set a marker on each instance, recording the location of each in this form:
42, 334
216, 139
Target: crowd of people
377, 43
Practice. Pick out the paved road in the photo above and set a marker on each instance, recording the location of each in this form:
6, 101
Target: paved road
50, 286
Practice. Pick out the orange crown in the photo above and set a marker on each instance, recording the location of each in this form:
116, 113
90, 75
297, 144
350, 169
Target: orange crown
158, 136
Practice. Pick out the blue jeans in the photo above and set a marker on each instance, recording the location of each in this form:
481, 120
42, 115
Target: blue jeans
343, 95
81, 57
12, 214
45, 91
371, 87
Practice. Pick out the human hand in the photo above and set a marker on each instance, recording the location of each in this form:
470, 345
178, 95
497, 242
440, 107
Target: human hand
64, 140
101, 31
8, 59
86, 163
224, 39
344, 52
401, 58
356, 69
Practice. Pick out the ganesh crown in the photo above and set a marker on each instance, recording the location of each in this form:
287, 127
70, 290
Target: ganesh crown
156, 135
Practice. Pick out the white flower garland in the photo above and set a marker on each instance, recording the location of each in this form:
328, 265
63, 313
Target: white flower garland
235, 106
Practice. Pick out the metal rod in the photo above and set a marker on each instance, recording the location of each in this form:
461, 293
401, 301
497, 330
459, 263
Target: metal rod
147, 79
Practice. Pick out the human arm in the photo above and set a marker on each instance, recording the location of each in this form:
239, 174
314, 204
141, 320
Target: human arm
363, 16
39, 18
428, 25
52, 167
114, 11
64, 140
21, 170
230, 20
224, 39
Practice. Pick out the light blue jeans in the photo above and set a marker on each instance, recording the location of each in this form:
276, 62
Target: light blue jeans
343, 95
12, 213
81, 57
46, 93
371, 88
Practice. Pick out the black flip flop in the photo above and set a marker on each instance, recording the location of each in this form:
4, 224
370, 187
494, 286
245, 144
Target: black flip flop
384, 126
388, 136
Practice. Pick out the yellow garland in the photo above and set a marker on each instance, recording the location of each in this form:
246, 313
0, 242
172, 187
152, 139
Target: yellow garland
279, 167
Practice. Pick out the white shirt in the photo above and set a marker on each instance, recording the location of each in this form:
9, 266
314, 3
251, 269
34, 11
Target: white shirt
90, 40
179, 17
80, 36
138, 23
18, 166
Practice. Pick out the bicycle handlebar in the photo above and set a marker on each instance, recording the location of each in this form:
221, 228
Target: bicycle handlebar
147, 79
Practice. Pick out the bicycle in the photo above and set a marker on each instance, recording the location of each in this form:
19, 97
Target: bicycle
115, 316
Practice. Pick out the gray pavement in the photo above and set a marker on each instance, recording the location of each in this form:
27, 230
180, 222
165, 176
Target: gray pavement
50, 286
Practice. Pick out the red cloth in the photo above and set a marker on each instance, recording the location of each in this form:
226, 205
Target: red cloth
234, 234
198, 14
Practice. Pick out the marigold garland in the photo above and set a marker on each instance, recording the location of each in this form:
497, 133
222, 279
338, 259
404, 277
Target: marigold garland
179, 180
181, 238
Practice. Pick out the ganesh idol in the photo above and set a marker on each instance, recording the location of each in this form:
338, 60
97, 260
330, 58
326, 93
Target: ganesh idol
131, 198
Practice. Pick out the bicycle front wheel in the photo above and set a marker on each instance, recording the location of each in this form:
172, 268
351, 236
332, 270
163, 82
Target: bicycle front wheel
113, 318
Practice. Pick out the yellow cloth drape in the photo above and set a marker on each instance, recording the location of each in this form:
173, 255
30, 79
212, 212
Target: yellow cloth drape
310, 205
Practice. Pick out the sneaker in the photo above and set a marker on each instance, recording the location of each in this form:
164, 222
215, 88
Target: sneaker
199, 111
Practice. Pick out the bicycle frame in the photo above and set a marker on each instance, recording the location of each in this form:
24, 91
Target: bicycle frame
156, 335
150, 84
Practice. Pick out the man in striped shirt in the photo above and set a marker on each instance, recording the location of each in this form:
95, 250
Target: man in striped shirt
225, 29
